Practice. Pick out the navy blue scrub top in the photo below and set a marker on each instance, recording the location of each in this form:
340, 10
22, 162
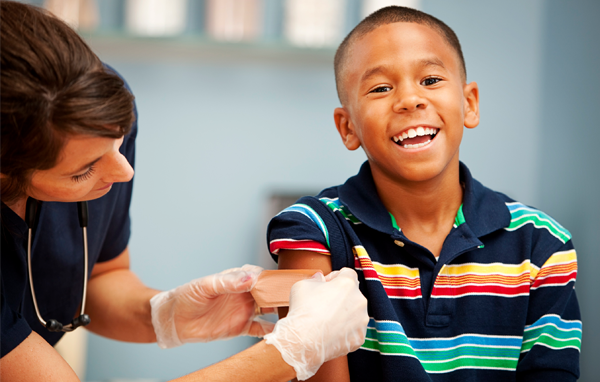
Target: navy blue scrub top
57, 257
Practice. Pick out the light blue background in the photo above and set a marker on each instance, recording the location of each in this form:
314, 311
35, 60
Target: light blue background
221, 129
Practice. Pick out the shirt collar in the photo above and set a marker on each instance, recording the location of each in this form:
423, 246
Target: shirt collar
12, 222
484, 211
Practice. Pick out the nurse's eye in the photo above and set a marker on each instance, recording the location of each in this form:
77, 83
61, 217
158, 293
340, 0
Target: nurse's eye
85, 176
381, 89
430, 81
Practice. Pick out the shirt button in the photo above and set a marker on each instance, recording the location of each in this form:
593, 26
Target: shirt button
399, 243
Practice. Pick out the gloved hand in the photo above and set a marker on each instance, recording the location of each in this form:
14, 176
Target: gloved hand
213, 307
327, 319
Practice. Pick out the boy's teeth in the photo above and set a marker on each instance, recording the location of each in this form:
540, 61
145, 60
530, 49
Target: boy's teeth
417, 145
411, 133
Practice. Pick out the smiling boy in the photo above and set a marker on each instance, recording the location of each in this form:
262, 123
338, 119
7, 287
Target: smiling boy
463, 283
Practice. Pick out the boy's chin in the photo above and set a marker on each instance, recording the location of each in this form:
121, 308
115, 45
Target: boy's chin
419, 172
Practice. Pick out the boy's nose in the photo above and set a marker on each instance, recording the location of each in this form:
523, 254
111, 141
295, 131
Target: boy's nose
409, 100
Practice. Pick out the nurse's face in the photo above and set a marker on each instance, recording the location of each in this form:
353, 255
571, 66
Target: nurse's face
87, 168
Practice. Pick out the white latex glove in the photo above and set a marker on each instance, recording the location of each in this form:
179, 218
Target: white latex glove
213, 307
327, 319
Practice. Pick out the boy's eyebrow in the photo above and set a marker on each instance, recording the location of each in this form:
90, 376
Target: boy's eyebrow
433, 61
373, 71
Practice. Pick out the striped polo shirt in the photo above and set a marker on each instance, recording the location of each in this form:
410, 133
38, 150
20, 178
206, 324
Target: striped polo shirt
498, 305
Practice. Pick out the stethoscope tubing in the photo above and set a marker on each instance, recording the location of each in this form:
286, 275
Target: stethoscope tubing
83, 319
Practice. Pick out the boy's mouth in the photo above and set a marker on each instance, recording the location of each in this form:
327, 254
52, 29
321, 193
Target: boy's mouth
415, 138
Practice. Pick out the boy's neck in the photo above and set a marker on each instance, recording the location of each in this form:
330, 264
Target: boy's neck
424, 211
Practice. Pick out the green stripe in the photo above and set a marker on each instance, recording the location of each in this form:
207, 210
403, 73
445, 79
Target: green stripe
460, 216
539, 220
387, 337
552, 336
467, 362
443, 360
468, 351
335, 205
545, 339
394, 224
396, 349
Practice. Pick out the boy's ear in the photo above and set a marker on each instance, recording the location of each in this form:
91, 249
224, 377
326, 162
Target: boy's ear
346, 128
471, 93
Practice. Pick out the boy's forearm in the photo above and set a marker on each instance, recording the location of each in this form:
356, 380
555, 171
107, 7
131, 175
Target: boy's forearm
258, 363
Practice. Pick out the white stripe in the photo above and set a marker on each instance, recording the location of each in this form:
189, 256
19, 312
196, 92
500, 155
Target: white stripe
496, 264
469, 357
394, 354
483, 294
552, 315
552, 347
553, 284
538, 226
471, 368
462, 335
549, 324
482, 285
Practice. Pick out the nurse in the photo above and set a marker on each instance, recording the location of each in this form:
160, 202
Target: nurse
68, 135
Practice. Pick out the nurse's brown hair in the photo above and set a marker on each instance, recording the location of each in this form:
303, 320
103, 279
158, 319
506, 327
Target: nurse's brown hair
53, 86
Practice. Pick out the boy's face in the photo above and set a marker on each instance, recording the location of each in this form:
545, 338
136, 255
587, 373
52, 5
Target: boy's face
406, 102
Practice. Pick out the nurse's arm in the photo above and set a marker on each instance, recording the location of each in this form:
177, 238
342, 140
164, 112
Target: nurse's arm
35, 360
118, 303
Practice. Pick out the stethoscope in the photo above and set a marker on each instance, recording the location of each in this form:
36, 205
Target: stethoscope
31, 217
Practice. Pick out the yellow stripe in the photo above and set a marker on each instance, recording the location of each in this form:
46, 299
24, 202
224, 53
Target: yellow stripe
393, 270
561, 257
487, 269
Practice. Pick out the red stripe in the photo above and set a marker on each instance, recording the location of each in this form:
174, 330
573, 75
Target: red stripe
371, 273
403, 292
305, 245
557, 279
488, 289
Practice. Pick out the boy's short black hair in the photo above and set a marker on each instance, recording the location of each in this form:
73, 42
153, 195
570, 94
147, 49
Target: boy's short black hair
389, 15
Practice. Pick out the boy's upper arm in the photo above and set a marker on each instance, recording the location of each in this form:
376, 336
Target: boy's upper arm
297, 259
552, 336
298, 228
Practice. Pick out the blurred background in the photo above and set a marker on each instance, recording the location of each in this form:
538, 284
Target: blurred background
236, 99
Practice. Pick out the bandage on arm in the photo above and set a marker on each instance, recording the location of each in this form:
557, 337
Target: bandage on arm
272, 289
335, 370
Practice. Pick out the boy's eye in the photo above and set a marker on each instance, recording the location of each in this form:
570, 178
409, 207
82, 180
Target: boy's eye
430, 81
381, 89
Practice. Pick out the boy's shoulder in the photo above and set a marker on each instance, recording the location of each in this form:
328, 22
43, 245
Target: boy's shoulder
485, 212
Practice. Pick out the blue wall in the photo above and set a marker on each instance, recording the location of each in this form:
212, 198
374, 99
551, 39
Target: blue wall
569, 137
220, 132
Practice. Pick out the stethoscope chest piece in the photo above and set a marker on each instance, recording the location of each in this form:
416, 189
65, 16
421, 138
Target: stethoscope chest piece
31, 216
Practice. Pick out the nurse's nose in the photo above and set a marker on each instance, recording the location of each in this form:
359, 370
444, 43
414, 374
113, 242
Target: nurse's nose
118, 169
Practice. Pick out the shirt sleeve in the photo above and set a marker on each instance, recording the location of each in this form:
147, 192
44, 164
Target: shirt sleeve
552, 336
14, 327
297, 227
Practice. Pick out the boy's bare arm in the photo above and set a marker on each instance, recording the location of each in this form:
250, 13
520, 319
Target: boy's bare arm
335, 370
